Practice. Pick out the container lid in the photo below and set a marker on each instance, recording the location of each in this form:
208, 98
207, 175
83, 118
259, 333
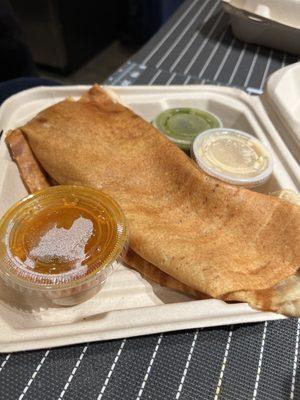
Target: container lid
233, 156
182, 124
285, 12
60, 236
282, 102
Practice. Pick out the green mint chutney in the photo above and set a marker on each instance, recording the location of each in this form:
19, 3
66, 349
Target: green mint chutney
181, 125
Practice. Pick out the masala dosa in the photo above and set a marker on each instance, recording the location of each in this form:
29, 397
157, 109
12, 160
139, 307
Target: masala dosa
152, 273
34, 178
225, 241
31, 172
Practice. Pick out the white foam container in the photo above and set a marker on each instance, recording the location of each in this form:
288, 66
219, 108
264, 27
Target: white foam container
281, 99
273, 23
128, 305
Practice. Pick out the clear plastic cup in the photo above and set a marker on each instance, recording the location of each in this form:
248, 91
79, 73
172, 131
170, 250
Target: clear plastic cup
61, 243
182, 124
233, 156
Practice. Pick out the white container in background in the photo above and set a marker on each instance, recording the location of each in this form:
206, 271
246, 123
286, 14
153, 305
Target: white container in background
272, 23
281, 100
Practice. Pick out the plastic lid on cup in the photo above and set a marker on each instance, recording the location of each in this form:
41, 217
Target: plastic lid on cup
61, 237
182, 124
233, 156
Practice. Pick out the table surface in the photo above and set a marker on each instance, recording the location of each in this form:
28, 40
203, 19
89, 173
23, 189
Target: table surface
258, 361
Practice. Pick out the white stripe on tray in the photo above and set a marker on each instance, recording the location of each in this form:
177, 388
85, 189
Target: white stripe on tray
34, 375
123, 74
187, 79
171, 79
265, 75
4, 362
154, 77
225, 58
283, 60
168, 34
187, 364
149, 367
111, 369
247, 80
221, 376
186, 29
205, 41
261, 354
217, 45
295, 362
73, 372
238, 63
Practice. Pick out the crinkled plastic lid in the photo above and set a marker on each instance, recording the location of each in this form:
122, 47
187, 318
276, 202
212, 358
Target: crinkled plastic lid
60, 236
233, 156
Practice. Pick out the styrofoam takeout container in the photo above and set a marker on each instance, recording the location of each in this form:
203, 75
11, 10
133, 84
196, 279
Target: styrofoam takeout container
273, 23
128, 305
282, 102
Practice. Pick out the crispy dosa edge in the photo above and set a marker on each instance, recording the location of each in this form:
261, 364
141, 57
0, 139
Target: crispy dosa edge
31, 172
34, 178
264, 280
149, 271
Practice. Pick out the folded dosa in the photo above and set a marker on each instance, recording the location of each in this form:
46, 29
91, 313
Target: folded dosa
34, 178
225, 241
152, 273
30, 170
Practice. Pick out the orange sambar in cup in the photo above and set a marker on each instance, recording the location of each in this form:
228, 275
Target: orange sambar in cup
61, 243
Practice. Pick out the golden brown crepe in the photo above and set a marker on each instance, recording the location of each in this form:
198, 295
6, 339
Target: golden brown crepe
30, 171
35, 179
152, 273
225, 241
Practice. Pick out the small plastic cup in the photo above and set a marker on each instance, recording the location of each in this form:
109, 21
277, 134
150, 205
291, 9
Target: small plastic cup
61, 243
182, 124
233, 156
